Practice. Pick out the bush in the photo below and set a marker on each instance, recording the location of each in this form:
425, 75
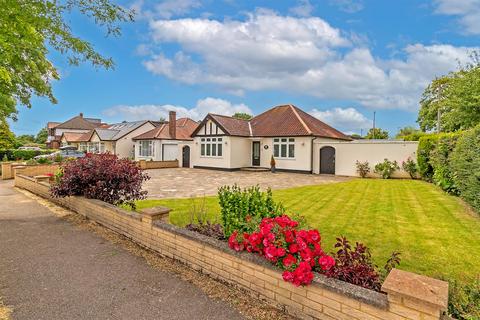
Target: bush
237, 205
363, 168
465, 166
464, 299
440, 162
280, 241
42, 161
386, 168
426, 144
14, 154
411, 167
354, 265
103, 177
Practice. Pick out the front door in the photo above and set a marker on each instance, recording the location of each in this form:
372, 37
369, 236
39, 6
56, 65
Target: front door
255, 153
327, 160
186, 157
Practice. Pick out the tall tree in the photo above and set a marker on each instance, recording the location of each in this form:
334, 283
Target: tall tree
7, 138
242, 115
42, 136
452, 101
29, 29
377, 133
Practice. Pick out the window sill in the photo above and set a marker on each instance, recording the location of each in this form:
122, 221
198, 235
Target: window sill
212, 157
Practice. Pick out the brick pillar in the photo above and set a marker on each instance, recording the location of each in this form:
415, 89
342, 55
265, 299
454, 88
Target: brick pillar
150, 215
414, 296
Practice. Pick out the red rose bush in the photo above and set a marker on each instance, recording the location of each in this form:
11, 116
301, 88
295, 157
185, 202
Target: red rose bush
297, 252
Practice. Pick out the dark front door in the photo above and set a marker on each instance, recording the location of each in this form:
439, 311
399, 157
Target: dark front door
327, 160
186, 157
255, 153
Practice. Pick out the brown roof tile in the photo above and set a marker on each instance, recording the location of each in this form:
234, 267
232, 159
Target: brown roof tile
77, 137
185, 127
78, 122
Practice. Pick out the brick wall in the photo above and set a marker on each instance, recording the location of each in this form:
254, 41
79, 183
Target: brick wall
144, 164
408, 295
9, 169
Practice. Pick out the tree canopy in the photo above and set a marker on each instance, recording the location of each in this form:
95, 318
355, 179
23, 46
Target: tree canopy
42, 136
455, 97
29, 29
242, 115
377, 133
7, 138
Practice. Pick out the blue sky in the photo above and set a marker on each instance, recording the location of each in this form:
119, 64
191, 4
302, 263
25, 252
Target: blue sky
340, 60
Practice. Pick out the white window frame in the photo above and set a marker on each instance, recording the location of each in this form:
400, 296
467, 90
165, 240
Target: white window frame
145, 148
283, 143
211, 147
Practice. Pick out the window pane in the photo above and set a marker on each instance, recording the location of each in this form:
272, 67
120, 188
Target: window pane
283, 151
203, 139
291, 140
214, 139
214, 149
284, 139
276, 140
208, 139
276, 150
219, 139
291, 151
208, 149
202, 149
219, 150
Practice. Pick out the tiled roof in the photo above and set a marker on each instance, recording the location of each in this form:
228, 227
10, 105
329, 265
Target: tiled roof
184, 128
52, 124
77, 137
280, 121
78, 122
288, 120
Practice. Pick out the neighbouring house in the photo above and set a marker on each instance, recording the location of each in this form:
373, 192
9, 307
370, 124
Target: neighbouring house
168, 141
78, 125
298, 142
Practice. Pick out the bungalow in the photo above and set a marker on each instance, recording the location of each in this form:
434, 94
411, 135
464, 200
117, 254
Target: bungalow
297, 141
286, 132
167, 141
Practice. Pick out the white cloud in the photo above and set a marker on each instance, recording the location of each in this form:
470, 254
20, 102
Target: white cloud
299, 55
347, 119
349, 6
303, 9
467, 11
155, 112
165, 9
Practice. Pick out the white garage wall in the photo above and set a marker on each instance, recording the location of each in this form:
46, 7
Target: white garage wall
373, 151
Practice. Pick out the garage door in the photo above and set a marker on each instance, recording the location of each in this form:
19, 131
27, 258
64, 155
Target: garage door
170, 152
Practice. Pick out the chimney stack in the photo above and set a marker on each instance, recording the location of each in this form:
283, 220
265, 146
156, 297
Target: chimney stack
81, 114
172, 124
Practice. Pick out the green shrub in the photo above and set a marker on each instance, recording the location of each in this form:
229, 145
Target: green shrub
440, 162
464, 300
414, 136
426, 144
44, 161
5, 158
411, 167
14, 154
386, 168
363, 168
465, 166
241, 207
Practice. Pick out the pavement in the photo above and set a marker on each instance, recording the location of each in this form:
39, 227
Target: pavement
186, 182
50, 269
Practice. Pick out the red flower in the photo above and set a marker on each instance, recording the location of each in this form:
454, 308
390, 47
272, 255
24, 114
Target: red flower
289, 260
281, 252
293, 248
271, 253
326, 262
314, 235
289, 238
287, 276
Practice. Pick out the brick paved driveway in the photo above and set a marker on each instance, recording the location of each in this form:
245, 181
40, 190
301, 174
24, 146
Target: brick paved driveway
183, 182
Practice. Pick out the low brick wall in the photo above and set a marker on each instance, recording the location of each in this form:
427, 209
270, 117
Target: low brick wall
144, 164
408, 295
10, 168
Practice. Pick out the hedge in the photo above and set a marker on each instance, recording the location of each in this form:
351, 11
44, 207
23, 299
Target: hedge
14, 154
426, 145
465, 165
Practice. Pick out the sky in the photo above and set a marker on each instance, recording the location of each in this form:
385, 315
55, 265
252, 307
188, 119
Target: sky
339, 60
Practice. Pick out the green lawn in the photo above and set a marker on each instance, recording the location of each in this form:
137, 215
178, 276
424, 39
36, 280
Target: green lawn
436, 234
